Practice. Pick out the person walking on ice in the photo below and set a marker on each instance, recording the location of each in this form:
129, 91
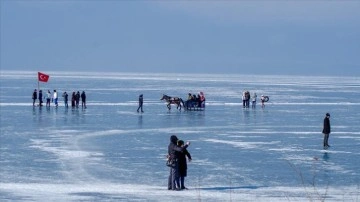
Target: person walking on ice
141, 101
326, 130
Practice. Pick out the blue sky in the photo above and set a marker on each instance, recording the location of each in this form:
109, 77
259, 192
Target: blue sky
242, 37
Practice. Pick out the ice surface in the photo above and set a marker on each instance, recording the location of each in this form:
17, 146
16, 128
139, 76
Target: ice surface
109, 152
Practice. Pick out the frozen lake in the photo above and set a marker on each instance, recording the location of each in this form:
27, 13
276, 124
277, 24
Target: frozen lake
109, 152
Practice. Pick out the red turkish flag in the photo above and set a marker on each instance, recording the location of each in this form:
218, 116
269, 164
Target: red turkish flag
43, 77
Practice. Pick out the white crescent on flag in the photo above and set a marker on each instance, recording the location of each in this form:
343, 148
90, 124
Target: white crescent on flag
43, 77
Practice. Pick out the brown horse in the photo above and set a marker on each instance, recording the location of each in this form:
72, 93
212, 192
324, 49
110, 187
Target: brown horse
173, 100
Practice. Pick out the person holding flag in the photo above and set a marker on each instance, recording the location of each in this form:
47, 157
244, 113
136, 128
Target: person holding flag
43, 78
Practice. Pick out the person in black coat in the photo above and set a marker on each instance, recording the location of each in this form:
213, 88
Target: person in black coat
326, 130
40, 98
66, 98
34, 97
173, 155
73, 100
83, 100
141, 101
183, 164
77, 99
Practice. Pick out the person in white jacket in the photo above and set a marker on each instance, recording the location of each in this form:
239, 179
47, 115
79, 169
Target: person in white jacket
55, 98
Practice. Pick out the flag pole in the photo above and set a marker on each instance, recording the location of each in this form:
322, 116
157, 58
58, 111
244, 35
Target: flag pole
38, 85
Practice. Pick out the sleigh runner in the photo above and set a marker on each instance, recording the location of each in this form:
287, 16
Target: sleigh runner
195, 103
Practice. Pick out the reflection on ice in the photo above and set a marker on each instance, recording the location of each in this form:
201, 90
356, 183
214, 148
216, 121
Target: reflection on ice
244, 145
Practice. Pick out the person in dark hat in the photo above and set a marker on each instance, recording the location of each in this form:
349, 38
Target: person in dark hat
141, 101
326, 130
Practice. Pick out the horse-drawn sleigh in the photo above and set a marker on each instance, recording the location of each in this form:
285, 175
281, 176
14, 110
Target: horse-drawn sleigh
194, 103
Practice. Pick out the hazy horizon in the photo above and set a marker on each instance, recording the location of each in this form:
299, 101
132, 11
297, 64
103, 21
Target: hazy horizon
231, 37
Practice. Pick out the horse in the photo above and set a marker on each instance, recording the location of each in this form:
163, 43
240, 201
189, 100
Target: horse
173, 100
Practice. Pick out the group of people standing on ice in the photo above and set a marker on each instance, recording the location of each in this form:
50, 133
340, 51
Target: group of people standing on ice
177, 161
75, 99
49, 97
194, 100
53, 97
246, 99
